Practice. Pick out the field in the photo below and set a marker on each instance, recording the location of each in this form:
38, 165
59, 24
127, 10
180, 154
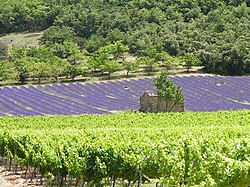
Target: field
43, 137
72, 73
176, 149
202, 93
22, 39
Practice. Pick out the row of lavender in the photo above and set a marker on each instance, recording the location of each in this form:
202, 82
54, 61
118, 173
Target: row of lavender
202, 93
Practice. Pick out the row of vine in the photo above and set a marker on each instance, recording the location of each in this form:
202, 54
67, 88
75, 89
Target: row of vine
212, 157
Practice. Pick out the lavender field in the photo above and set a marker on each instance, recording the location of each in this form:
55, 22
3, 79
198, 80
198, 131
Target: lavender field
202, 93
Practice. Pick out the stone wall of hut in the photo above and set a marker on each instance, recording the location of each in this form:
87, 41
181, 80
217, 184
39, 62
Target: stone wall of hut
150, 102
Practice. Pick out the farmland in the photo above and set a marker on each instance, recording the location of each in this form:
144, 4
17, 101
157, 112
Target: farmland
178, 149
202, 93
53, 146
58, 131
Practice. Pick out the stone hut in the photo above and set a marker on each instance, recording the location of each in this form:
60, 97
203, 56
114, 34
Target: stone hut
149, 103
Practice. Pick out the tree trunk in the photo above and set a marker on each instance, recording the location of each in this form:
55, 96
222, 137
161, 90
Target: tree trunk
61, 181
127, 73
83, 182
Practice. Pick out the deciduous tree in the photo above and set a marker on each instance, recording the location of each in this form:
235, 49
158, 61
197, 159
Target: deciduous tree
57, 34
129, 66
190, 60
3, 69
3, 50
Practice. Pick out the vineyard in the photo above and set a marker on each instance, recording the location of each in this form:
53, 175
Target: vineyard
202, 93
130, 149
76, 77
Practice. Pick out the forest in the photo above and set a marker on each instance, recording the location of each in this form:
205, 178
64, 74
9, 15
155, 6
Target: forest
80, 36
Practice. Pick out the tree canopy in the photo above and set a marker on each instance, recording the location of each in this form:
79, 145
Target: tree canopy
212, 33
168, 92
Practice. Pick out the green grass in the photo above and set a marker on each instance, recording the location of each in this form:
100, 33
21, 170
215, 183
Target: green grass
22, 39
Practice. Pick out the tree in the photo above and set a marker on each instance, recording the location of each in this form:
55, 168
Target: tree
152, 52
59, 50
57, 67
236, 59
171, 45
3, 69
74, 52
67, 50
190, 60
148, 63
57, 34
102, 60
167, 61
97, 59
3, 50
146, 26
168, 92
111, 66
37, 68
117, 49
20, 70
129, 66
73, 71
23, 74
17, 53
94, 43
115, 35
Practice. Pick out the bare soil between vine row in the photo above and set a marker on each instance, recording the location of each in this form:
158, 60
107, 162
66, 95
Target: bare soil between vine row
12, 179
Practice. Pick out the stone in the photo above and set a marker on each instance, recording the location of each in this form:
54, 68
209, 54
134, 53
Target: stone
150, 102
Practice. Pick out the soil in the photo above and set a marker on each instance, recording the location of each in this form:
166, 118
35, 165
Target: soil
11, 179
8, 179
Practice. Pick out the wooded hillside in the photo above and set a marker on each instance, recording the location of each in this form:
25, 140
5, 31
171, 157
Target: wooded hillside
216, 32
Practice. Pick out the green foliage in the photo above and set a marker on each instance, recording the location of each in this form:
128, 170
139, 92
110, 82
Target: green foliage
234, 120
36, 63
68, 50
73, 71
190, 60
23, 74
57, 67
117, 49
102, 59
36, 67
149, 64
167, 61
211, 30
115, 35
26, 15
172, 45
97, 60
94, 43
170, 148
3, 50
111, 66
168, 92
57, 34
129, 66
3, 69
